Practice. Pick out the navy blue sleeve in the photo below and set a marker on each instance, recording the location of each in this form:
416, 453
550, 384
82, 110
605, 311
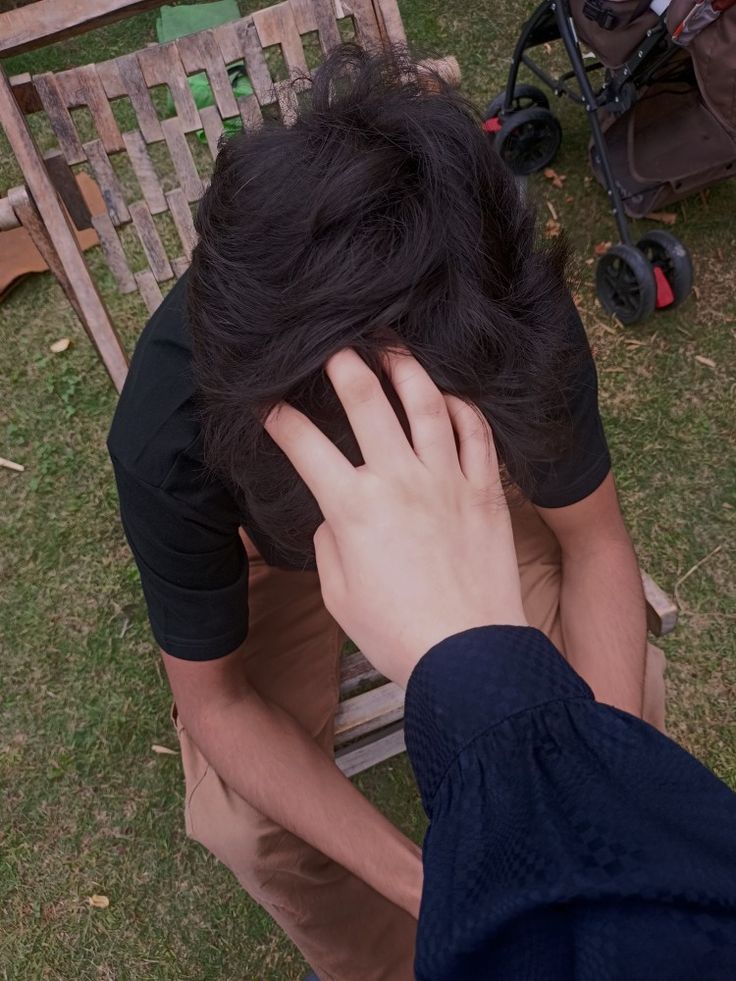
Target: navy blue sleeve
568, 841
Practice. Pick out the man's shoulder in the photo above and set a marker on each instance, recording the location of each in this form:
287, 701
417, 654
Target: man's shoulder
156, 418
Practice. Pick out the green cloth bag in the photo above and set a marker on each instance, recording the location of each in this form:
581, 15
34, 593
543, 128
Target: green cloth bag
175, 22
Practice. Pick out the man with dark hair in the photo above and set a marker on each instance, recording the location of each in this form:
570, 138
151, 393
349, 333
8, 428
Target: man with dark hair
382, 217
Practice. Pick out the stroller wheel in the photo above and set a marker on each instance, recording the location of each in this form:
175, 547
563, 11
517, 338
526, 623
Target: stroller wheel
667, 253
625, 284
525, 97
528, 140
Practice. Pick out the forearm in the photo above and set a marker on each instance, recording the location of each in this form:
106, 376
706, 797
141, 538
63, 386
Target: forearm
604, 623
266, 757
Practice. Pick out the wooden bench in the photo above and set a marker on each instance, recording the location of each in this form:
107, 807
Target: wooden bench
140, 249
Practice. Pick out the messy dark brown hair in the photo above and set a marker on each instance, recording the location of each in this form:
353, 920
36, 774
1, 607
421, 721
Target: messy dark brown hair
383, 213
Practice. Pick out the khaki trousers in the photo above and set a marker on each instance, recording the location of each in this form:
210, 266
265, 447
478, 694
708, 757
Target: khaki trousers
344, 929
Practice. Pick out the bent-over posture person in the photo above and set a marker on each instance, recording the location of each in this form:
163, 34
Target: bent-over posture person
568, 841
383, 214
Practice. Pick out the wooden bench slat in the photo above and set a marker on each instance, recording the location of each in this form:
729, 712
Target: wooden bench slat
356, 670
181, 157
62, 177
662, 611
182, 217
367, 712
145, 172
107, 181
151, 242
276, 25
200, 52
124, 76
367, 29
213, 128
59, 117
255, 62
320, 16
250, 112
83, 87
114, 253
371, 750
389, 19
161, 65
180, 266
149, 290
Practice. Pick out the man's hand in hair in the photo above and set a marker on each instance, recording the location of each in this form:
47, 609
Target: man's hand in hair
416, 544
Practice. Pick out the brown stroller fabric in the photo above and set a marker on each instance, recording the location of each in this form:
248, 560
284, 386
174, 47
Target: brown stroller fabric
713, 52
678, 138
712, 49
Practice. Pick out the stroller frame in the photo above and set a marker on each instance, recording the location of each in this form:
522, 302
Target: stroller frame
552, 21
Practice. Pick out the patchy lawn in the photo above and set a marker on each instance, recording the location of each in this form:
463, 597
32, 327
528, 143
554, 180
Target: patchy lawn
87, 807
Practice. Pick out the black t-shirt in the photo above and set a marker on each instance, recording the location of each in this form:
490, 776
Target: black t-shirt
182, 522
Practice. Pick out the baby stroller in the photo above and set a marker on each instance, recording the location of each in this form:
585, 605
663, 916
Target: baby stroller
662, 121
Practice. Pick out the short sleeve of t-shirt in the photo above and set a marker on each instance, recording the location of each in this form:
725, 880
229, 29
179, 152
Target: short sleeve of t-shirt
587, 461
181, 523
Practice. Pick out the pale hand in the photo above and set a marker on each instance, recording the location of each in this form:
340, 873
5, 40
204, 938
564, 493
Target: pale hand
416, 544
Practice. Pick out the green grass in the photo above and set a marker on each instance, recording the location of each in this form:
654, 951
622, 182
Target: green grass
87, 807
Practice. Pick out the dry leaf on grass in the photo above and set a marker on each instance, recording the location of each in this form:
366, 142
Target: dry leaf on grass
9, 465
61, 345
602, 247
589, 262
708, 362
552, 229
98, 902
164, 750
664, 217
558, 180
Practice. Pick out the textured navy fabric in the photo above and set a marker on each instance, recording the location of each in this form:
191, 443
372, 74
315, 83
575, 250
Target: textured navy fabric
568, 841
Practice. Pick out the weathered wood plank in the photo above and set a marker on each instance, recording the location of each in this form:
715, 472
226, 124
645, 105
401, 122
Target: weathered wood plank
62, 177
376, 748
83, 87
662, 612
181, 157
149, 290
276, 25
250, 112
25, 93
389, 22
48, 21
180, 266
200, 52
107, 181
114, 253
161, 65
367, 29
355, 671
255, 62
213, 128
59, 117
145, 172
73, 273
368, 712
124, 76
151, 242
317, 15
182, 216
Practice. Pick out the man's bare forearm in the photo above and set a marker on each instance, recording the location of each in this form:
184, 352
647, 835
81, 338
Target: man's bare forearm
266, 757
604, 623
